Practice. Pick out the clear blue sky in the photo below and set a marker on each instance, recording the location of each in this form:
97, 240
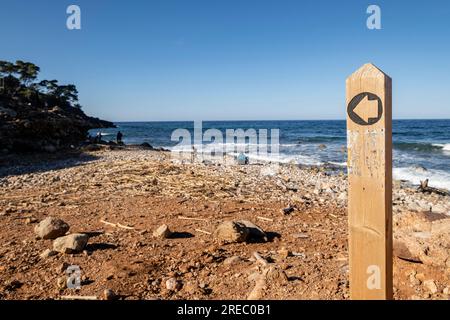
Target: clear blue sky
230, 59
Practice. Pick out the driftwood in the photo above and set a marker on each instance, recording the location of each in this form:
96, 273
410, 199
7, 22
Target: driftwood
203, 231
426, 189
117, 225
270, 274
194, 219
258, 289
79, 298
260, 259
265, 219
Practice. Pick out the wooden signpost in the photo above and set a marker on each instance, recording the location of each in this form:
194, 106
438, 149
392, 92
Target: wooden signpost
369, 139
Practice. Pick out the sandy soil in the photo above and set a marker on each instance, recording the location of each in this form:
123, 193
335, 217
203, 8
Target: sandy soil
141, 190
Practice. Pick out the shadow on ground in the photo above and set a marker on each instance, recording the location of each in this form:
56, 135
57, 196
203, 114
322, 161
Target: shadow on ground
18, 164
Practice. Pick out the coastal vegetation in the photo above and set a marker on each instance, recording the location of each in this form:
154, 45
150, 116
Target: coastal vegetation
20, 85
40, 115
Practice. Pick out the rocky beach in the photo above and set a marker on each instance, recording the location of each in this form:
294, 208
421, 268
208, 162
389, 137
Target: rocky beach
145, 224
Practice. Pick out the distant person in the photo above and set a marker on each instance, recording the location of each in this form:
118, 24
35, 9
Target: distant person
119, 137
98, 137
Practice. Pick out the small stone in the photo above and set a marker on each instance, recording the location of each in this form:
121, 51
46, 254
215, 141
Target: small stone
446, 291
413, 280
420, 276
232, 260
108, 294
47, 253
51, 228
231, 231
163, 232
172, 284
72, 243
61, 282
431, 286
283, 253
191, 287
402, 251
30, 220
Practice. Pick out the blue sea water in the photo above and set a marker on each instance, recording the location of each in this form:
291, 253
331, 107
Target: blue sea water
421, 147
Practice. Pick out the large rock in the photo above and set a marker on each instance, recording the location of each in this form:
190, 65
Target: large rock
231, 231
255, 232
422, 237
51, 228
25, 128
72, 243
163, 232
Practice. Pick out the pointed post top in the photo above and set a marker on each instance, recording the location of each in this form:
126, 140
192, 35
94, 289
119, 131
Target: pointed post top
369, 70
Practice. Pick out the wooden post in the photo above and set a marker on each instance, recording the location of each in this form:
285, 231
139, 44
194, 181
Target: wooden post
369, 138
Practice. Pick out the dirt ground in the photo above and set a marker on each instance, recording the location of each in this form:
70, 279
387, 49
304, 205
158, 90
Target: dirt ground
309, 244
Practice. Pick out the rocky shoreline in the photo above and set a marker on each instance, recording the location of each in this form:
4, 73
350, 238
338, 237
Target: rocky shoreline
121, 198
28, 129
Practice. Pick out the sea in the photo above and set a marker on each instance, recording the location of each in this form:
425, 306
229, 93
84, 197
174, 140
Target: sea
421, 147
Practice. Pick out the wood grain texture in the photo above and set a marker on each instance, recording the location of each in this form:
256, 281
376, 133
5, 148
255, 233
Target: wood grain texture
370, 187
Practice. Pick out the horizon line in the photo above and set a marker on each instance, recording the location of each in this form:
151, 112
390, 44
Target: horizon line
260, 120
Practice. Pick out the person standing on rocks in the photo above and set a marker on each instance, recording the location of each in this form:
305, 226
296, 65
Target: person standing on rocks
98, 137
119, 137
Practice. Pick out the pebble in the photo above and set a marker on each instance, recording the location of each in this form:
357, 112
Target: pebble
413, 280
61, 282
284, 253
431, 286
108, 294
72, 243
232, 260
47, 253
163, 232
172, 284
51, 228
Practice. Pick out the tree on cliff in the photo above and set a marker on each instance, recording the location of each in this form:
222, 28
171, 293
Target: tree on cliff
40, 115
19, 83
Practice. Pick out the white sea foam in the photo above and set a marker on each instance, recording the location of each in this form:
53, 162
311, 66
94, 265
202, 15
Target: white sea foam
444, 146
282, 158
340, 164
437, 178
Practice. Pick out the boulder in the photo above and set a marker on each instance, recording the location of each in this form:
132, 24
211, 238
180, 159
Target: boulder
231, 231
51, 228
255, 232
73, 243
163, 232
